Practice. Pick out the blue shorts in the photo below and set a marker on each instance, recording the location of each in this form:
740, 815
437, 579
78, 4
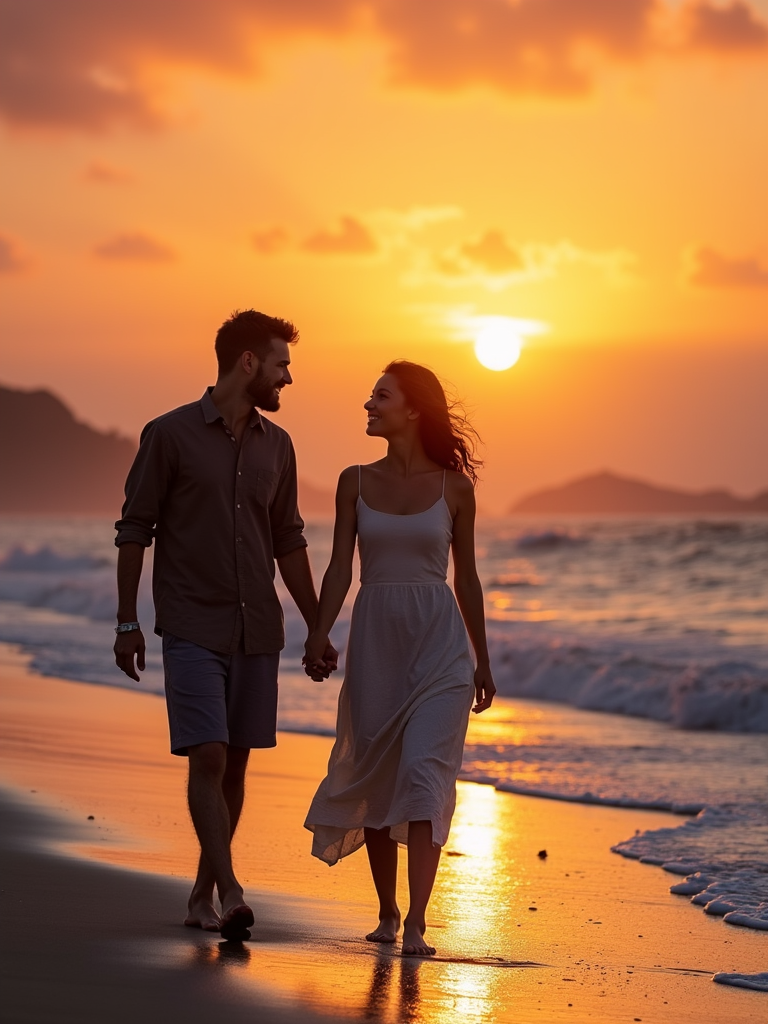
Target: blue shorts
219, 698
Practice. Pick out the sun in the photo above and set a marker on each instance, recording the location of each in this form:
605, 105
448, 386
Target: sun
498, 343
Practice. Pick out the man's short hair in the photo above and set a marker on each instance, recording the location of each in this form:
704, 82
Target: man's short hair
249, 331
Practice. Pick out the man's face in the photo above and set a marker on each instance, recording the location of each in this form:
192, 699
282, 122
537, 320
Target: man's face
271, 377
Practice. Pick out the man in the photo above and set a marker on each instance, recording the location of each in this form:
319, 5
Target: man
215, 484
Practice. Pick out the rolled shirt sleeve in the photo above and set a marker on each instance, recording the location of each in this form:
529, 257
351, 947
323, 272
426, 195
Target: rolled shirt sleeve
145, 488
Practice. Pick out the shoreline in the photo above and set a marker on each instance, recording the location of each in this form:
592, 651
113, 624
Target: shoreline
605, 941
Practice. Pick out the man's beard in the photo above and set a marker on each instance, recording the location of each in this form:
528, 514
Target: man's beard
264, 395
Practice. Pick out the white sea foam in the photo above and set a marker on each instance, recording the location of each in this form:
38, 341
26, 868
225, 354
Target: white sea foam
759, 982
723, 854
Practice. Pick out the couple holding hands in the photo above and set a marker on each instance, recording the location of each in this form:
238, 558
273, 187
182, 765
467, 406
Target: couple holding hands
214, 484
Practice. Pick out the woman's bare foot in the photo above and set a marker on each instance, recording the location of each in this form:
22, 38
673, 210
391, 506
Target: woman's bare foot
413, 941
387, 930
201, 914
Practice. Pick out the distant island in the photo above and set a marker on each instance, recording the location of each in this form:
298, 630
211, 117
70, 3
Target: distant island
610, 494
51, 463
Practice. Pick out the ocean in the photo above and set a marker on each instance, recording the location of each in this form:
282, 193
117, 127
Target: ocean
630, 655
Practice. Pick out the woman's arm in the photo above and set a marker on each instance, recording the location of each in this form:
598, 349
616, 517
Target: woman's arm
469, 593
338, 575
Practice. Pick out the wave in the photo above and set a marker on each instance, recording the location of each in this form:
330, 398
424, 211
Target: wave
588, 797
69, 584
515, 579
696, 689
549, 539
727, 695
45, 559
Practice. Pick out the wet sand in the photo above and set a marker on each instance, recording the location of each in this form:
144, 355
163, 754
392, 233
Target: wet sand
92, 907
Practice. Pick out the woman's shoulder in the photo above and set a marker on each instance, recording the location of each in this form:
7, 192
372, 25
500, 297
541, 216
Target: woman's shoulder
459, 483
348, 477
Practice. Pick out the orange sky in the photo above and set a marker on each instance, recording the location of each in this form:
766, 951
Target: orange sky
382, 172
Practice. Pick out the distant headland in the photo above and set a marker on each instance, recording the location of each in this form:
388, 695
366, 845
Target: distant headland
608, 493
52, 464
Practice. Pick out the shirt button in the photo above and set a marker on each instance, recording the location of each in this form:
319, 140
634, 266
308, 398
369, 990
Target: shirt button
239, 538
239, 473
238, 506
231, 438
243, 604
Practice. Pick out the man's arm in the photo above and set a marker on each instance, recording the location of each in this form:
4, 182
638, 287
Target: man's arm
130, 560
297, 576
145, 488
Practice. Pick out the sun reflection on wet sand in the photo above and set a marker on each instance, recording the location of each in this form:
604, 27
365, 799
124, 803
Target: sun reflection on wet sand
359, 983
478, 964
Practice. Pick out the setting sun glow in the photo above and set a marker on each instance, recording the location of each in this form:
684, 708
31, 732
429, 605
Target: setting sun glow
498, 343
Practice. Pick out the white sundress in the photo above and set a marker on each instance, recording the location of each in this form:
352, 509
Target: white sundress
407, 691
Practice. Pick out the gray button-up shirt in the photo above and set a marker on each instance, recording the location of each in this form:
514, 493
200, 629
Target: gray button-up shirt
221, 512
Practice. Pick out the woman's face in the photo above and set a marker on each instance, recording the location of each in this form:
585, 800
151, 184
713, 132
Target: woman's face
387, 408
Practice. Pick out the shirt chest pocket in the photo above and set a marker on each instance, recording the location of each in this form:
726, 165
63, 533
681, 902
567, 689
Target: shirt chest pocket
264, 487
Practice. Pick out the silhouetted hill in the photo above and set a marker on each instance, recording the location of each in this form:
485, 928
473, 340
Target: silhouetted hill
607, 493
50, 463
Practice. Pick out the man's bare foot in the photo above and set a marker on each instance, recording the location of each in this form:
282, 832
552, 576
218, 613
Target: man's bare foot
387, 930
413, 941
202, 915
236, 921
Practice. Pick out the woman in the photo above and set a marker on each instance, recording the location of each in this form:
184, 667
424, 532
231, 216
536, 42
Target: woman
409, 680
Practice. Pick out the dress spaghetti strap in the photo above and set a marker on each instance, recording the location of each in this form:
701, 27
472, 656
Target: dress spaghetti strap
359, 480
443, 494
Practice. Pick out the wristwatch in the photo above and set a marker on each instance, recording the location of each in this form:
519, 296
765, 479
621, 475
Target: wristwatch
127, 627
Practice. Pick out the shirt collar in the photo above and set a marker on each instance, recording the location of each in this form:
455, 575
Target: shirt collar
211, 414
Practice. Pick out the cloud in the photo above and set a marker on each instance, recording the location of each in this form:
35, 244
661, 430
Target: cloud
269, 240
12, 260
495, 263
135, 247
707, 268
732, 27
532, 46
352, 238
381, 231
103, 173
88, 65
493, 253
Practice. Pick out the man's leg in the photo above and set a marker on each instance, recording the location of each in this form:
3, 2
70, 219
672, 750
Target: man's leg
211, 818
202, 913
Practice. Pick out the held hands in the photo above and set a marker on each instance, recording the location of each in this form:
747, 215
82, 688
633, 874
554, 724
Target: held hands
484, 689
127, 646
320, 657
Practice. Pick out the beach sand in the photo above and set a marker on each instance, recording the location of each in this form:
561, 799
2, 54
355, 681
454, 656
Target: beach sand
92, 906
